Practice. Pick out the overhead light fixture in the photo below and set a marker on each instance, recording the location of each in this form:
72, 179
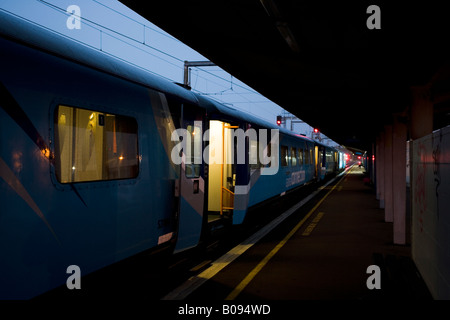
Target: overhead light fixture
288, 36
272, 10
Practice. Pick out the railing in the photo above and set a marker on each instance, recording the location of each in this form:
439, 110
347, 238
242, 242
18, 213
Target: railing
227, 200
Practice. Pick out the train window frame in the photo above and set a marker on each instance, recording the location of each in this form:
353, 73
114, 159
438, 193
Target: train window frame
268, 149
284, 151
307, 155
300, 156
109, 141
192, 170
294, 160
253, 154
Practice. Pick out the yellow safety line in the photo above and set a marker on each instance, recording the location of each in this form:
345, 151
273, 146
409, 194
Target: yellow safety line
313, 224
241, 286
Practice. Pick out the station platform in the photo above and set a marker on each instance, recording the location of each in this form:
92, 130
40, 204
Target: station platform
322, 251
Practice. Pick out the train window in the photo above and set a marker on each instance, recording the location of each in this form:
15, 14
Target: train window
329, 157
300, 156
194, 156
268, 150
254, 159
311, 158
284, 156
293, 157
93, 146
307, 155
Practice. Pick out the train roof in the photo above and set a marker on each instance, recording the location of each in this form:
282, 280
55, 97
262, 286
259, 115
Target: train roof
220, 110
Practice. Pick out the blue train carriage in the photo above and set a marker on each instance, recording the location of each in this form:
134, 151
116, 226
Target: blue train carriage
343, 158
326, 160
250, 161
86, 173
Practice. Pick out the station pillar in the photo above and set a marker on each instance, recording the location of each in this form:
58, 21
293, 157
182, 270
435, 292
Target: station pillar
388, 183
380, 169
399, 137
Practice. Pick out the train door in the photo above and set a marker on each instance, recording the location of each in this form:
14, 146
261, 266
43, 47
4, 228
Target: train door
191, 183
320, 162
222, 169
317, 162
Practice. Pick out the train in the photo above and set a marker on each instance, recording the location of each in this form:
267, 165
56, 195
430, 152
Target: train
101, 160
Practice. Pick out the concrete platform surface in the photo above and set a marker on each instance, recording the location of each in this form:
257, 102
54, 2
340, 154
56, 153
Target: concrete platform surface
326, 257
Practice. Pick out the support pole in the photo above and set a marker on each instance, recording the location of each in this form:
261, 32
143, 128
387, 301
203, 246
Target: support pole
388, 184
381, 169
377, 167
399, 179
188, 64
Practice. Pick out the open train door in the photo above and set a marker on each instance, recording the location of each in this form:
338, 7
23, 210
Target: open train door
317, 162
222, 169
191, 182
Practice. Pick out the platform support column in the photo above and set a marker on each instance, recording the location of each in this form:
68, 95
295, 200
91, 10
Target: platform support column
380, 169
399, 138
388, 183
377, 167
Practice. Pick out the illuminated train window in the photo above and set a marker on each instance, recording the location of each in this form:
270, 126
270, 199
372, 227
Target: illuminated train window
94, 146
300, 156
293, 157
284, 156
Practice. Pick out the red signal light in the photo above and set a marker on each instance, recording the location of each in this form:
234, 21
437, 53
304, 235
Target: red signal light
278, 120
316, 130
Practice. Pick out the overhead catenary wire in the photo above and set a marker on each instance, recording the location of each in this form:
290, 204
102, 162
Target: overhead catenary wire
83, 43
228, 89
62, 10
134, 20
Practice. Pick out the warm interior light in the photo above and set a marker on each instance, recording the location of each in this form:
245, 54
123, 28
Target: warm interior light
62, 119
46, 153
